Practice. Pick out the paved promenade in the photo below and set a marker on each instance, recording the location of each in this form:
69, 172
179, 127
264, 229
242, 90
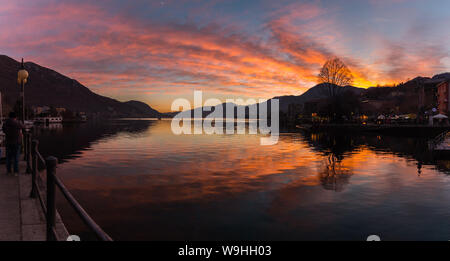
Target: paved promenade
21, 217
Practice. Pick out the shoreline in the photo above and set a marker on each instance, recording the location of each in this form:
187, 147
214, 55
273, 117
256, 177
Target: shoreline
403, 130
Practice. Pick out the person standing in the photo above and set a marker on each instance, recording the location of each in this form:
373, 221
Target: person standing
13, 132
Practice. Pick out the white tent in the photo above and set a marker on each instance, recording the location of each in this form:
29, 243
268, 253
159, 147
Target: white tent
440, 116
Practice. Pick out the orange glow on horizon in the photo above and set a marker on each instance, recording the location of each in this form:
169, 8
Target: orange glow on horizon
125, 57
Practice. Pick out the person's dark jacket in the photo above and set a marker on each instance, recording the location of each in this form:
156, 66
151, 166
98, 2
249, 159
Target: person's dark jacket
13, 131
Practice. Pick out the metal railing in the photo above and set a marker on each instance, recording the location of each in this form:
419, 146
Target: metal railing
438, 139
48, 205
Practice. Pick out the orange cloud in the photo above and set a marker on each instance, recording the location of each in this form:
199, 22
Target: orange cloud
115, 53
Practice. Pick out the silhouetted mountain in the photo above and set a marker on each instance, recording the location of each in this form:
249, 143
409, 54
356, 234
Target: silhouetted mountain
169, 114
46, 87
203, 112
143, 108
317, 92
50, 88
426, 80
444, 76
411, 85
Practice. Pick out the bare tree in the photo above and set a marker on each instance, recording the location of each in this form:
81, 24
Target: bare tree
335, 72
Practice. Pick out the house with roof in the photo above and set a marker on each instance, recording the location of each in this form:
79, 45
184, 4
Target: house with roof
443, 97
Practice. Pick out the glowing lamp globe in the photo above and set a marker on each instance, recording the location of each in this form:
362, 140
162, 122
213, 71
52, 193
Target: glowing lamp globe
22, 76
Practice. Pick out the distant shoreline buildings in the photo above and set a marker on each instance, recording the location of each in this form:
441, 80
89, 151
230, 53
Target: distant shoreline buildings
414, 102
47, 114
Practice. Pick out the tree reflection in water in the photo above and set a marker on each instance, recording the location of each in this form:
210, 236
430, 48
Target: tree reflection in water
336, 146
283, 192
67, 141
334, 176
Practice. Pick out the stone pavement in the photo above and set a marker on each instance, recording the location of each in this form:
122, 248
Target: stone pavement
22, 217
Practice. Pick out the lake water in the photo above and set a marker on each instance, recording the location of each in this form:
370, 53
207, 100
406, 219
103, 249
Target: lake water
141, 182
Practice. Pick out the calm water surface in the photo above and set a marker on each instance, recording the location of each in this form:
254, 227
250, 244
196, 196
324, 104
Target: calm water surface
141, 182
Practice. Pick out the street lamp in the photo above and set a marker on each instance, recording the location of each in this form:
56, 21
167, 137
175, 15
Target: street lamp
22, 76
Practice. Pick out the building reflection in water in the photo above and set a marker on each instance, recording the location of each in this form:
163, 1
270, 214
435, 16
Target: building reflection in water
51, 126
67, 141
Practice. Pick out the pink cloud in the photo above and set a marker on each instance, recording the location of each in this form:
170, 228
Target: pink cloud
114, 53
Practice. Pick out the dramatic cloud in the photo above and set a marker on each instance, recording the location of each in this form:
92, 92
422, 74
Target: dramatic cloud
157, 50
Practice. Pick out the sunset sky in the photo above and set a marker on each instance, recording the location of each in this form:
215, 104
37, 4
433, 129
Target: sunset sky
157, 51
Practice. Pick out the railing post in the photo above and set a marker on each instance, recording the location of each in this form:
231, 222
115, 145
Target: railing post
51, 163
34, 169
28, 153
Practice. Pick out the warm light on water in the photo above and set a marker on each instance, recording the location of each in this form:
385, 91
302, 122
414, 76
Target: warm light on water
139, 181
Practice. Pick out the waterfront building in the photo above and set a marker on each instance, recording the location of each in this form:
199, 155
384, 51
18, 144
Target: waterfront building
443, 97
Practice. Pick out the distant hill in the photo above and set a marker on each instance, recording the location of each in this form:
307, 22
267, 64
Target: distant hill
442, 76
317, 92
406, 90
143, 108
48, 87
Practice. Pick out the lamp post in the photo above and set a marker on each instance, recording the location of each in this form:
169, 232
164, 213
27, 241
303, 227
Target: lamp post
22, 76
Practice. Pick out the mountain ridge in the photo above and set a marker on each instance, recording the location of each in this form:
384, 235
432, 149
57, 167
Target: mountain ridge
47, 87
321, 91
